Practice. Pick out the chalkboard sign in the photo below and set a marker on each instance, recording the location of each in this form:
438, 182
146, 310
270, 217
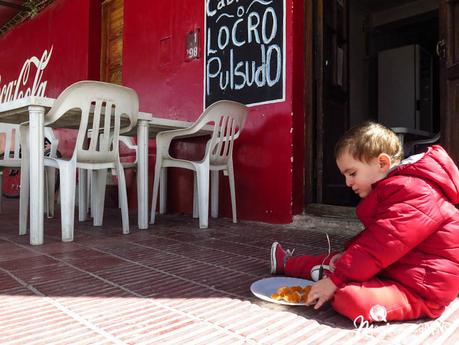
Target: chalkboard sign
245, 51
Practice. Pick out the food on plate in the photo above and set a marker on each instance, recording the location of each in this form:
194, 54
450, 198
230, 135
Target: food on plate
292, 294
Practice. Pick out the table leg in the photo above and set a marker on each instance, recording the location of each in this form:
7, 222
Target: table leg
142, 173
25, 181
36, 139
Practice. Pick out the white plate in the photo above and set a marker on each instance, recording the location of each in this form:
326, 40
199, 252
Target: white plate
264, 288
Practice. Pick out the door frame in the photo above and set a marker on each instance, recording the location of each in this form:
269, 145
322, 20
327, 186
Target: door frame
449, 76
449, 128
314, 177
310, 170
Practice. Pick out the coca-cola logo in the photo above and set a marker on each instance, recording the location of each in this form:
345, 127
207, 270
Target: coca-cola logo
23, 85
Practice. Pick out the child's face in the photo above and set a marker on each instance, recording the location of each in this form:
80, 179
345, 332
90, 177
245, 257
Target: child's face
361, 175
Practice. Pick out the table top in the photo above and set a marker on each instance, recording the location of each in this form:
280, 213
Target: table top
17, 111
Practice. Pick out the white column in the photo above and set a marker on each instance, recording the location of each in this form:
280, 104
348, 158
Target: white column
142, 173
36, 139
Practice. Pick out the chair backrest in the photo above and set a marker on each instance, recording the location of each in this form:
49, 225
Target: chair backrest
410, 147
228, 119
102, 107
11, 148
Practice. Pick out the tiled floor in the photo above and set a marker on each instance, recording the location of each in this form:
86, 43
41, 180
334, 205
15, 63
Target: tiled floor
173, 283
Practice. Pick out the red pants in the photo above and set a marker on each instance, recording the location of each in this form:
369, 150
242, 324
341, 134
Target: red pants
359, 298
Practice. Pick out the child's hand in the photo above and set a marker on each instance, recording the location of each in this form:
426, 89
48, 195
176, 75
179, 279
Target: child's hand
333, 261
321, 292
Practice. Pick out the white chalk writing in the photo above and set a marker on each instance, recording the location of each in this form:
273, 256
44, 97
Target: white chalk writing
246, 72
244, 48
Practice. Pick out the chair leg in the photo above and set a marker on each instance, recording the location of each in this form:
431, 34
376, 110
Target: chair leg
214, 193
114, 173
50, 178
202, 175
232, 190
155, 191
67, 186
25, 182
99, 181
89, 193
24, 203
195, 196
1, 191
82, 198
93, 193
122, 196
163, 191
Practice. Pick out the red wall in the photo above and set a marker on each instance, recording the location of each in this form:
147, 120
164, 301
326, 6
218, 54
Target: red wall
69, 40
154, 65
64, 26
268, 155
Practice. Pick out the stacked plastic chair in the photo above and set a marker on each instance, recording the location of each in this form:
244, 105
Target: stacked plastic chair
102, 107
227, 119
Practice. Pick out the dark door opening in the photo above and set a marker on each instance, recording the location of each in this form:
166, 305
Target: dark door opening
348, 55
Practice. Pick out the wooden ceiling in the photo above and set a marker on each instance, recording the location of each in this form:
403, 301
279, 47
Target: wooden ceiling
9, 8
13, 12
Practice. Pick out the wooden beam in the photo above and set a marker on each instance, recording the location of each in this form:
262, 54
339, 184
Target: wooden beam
13, 5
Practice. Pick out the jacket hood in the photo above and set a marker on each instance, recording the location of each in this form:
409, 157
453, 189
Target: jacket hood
436, 166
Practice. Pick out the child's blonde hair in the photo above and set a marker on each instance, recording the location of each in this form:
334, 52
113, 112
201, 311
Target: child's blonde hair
367, 141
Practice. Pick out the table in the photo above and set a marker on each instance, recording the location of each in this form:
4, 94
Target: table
32, 109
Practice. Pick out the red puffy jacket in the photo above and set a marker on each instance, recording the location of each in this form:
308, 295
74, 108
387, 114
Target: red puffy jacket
411, 231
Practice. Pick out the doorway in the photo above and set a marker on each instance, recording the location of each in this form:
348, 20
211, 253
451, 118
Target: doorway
362, 35
377, 31
111, 61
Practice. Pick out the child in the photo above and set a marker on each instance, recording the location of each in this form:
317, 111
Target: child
405, 264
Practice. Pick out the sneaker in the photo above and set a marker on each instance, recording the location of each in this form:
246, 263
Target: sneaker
279, 258
316, 273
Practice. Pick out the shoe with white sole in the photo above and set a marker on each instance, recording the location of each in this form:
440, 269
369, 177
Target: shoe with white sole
279, 257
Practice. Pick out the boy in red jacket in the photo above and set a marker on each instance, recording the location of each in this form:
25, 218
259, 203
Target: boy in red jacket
405, 263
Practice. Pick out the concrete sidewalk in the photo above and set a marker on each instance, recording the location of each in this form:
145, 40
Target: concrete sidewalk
173, 284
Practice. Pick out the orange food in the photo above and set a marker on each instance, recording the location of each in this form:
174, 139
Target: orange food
306, 291
283, 290
297, 289
294, 297
276, 296
292, 294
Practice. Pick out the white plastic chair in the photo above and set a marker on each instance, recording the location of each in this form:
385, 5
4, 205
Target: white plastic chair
11, 157
228, 119
50, 174
11, 153
128, 164
88, 189
102, 107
